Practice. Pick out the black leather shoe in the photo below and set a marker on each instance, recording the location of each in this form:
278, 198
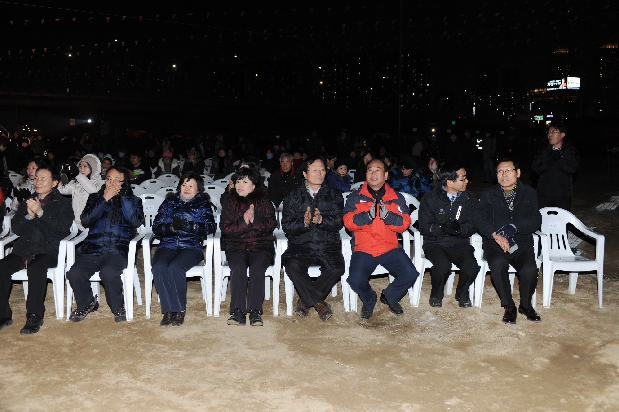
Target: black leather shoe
324, 310
33, 324
237, 318
396, 308
530, 313
167, 319
301, 309
436, 302
80, 315
366, 313
255, 319
5, 322
464, 302
510, 315
177, 318
120, 315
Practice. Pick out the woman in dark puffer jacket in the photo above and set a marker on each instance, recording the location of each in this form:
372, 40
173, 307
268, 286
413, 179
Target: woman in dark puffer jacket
182, 222
247, 224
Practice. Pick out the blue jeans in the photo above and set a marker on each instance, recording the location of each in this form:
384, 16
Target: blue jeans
170, 274
395, 261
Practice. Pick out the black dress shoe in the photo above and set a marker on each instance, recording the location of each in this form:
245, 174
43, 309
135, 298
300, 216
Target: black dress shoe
436, 302
530, 313
510, 315
464, 302
396, 308
301, 309
120, 315
255, 319
177, 318
33, 324
167, 319
5, 322
80, 315
324, 310
237, 318
366, 313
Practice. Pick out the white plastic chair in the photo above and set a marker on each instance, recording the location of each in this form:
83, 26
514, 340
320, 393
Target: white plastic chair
56, 274
215, 193
228, 177
222, 183
557, 254
410, 200
356, 186
207, 179
152, 185
129, 276
222, 274
169, 179
421, 264
483, 263
236, 163
165, 191
203, 270
137, 190
15, 178
352, 172
150, 207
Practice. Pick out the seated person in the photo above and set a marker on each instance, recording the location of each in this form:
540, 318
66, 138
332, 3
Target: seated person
112, 216
407, 180
42, 220
335, 178
169, 166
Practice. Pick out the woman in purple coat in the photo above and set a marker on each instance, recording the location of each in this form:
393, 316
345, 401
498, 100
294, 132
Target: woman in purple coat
247, 224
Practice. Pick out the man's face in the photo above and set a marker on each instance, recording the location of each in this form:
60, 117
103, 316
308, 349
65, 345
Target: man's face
316, 173
286, 164
296, 155
135, 160
458, 185
331, 163
407, 172
43, 183
453, 137
376, 175
555, 137
507, 175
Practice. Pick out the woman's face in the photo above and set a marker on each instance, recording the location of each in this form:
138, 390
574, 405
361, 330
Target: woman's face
189, 189
367, 158
342, 170
244, 187
84, 168
432, 164
221, 153
106, 164
32, 170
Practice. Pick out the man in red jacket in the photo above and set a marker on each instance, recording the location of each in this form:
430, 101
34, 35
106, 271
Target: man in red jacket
375, 214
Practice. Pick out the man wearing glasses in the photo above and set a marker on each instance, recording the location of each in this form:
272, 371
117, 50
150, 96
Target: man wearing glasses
555, 165
506, 218
445, 221
112, 216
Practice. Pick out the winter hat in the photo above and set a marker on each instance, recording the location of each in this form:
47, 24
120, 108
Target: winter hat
338, 163
167, 153
108, 156
408, 164
93, 162
192, 152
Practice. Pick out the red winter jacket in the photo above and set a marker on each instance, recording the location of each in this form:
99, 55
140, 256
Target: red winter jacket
375, 237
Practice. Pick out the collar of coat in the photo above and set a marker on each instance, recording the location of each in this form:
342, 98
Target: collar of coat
389, 195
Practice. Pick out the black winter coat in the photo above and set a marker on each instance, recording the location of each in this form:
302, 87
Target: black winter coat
315, 241
493, 214
110, 229
436, 209
555, 174
256, 236
42, 235
280, 186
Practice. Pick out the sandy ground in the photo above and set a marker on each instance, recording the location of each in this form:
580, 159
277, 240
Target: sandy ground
447, 358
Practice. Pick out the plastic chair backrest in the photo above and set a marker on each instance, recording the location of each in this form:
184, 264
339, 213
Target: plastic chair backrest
357, 185
207, 179
15, 178
150, 206
137, 190
152, 185
215, 193
164, 191
554, 225
222, 183
169, 179
410, 200
345, 196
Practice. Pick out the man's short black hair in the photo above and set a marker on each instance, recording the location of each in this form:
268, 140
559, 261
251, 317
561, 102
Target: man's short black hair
562, 127
379, 160
45, 166
311, 160
507, 159
449, 171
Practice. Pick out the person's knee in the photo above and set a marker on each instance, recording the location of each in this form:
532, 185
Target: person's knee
109, 275
292, 266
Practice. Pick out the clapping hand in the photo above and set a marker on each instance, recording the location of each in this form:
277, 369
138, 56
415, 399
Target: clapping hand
317, 219
372, 211
34, 207
248, 216
307, 218
383, 211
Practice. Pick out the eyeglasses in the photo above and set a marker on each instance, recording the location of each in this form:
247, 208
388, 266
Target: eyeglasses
505, 171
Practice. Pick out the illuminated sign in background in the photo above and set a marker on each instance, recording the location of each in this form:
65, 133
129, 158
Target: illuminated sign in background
572, 83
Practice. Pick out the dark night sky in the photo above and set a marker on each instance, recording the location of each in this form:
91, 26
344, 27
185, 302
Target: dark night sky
515, 37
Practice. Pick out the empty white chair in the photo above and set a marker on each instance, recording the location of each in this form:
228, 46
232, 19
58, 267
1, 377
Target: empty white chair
215, 193
163, 192
236, 163
207, 179
222, 183
356, 186
152, 185
410, 200
137, 189
352, 172
557, 254
169, 179
56, 274
15, 178
129, 276
150, 207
